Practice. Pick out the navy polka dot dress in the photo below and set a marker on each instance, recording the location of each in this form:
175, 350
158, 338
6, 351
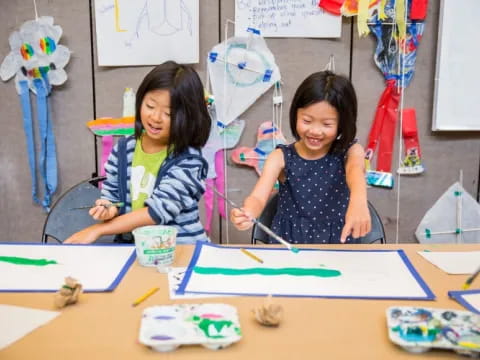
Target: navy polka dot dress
312, 200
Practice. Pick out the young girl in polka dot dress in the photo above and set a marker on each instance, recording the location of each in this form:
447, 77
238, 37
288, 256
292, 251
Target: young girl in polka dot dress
322, 196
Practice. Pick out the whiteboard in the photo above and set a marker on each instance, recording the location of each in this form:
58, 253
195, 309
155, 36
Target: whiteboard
457, 79
287, 18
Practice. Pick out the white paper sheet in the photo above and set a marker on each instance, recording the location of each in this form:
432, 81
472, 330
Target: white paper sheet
454, 262
473, 301
96, 267
146, 32
287, 18
363, 274
16, 322
175, 277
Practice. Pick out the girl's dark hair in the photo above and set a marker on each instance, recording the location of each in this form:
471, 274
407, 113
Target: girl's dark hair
338, 91
189, 119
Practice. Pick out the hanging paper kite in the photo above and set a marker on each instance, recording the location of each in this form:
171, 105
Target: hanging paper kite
107, 128
221, 137
454, 218
37, 61
241, 69
268, 137
395, 56
363, 9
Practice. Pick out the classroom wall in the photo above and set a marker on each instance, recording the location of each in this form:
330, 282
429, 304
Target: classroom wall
92, 91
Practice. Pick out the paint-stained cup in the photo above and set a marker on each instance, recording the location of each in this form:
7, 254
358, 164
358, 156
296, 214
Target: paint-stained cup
155, 244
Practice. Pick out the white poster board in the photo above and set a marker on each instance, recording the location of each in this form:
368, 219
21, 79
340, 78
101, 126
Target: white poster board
17, 321
288, 18
470, 299
457, 79
454, 262
146, 32
368, 274
43, 268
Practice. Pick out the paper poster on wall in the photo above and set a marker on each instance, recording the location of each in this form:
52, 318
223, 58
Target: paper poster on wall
146, 32
367, 274
288, 18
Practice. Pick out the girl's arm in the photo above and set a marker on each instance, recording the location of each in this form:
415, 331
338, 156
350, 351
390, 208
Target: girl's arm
110, 191
256, 201
179, 190
357, 218
118, 225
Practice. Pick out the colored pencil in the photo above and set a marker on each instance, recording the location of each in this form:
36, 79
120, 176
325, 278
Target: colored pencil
119, 204
145, 296
470, 279
253, 256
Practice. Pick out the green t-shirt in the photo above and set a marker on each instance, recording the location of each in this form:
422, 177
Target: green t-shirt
144, 172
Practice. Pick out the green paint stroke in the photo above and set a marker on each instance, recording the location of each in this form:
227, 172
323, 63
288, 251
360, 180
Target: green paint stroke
26, 261
204, 325
267, 271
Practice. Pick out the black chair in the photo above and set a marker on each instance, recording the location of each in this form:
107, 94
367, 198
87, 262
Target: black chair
377, 234
63, 221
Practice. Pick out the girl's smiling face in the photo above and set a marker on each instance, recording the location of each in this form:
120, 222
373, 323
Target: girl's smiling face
317, 128
155, 116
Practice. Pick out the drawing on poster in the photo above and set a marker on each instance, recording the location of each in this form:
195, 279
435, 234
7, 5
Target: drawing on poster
146, 32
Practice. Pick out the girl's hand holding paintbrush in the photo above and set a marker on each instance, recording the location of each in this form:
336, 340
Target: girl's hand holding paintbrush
241, 219
103, 210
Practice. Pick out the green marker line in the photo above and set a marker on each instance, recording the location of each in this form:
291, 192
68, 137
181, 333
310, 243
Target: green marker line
26, 261
267, 271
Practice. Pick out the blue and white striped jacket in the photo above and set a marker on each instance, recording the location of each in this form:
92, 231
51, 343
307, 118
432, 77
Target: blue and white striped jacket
178, 188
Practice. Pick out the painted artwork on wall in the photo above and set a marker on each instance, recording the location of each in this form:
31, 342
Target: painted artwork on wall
146, 32
366, 274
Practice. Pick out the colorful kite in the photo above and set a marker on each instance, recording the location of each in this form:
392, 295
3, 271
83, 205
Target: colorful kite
395, 56
107, 128
268, 137
37, 61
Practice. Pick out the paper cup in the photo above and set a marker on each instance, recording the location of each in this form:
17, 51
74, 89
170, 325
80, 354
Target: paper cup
155, 244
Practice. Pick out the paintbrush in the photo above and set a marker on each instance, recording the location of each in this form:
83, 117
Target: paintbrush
118, 204
470, 279
259, 224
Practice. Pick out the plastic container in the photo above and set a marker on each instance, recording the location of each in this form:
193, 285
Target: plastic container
155, 244
164, 328
418, 329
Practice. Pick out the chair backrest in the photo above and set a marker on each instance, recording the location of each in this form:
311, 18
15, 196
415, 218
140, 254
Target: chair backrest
63, 221
377, 234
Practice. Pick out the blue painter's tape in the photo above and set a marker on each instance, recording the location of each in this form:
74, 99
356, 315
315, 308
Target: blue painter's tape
269, 130
242, 65
212, 56
268, 75
259, 151
253, 31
